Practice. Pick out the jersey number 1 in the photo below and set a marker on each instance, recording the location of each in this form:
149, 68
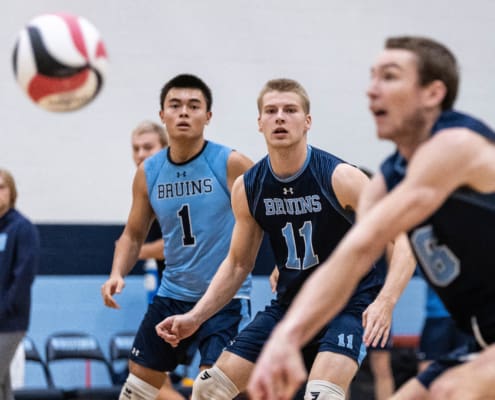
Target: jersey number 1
188, 238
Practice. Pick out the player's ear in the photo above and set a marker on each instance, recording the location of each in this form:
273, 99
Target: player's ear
209, 114
434, 93
309, 121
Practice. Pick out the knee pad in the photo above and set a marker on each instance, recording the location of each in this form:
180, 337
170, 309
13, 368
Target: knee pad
212, 383
323, 390
137, 389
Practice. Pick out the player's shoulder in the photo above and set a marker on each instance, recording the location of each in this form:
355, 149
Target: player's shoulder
155, 160
323, 160
464, 125
237, 159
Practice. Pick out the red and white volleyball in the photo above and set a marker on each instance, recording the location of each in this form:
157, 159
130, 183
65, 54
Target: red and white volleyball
60, 61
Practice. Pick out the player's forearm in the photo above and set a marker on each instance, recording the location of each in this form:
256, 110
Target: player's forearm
401, 268
330, 287
125, 256
221, 290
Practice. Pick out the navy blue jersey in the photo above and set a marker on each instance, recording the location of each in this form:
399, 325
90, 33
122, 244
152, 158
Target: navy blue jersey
455, 245
302, 218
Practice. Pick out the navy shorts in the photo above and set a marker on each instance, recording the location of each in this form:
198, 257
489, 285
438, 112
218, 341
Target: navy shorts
151, 351
343, 335
452, 359
439, 337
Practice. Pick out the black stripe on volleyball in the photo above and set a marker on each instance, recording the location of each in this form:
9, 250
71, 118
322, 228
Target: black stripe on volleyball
45, 63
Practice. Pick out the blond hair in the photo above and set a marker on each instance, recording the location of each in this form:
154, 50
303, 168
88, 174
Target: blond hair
9, 180
285, 85
149, 126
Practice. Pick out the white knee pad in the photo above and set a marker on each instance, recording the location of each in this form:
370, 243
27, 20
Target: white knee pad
137, 389
323, 390
213, 384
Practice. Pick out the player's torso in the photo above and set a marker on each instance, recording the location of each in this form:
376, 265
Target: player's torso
454, 246
192, 204
301, 215
455, 250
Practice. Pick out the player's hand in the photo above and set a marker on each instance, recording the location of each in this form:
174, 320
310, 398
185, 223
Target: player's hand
274, 279
279, 371
377, 321
176, 328
114, 285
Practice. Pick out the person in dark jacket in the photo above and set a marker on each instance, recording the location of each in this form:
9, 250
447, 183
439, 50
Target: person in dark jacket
19, 258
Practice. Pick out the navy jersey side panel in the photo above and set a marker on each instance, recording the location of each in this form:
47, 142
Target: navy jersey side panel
455, 245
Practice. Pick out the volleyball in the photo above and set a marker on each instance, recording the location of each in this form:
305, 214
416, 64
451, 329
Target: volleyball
60, 61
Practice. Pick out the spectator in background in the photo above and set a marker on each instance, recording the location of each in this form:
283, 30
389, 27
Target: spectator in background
147, 139
19, 258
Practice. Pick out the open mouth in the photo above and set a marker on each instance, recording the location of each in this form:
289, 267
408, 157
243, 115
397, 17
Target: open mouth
378, 112
280, 130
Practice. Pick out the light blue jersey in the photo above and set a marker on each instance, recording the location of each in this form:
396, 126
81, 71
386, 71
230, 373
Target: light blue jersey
192, 204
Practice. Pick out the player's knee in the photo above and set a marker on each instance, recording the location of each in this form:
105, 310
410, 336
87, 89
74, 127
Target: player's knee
323, 390
212, 383
136, 389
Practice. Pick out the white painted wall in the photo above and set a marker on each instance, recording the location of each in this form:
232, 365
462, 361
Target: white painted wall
77, 167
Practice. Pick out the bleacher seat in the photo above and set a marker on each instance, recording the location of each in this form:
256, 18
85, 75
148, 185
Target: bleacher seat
49, 392
79, 346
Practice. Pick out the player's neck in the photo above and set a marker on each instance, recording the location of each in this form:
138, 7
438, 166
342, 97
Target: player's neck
183, 150
288, 161
410, 139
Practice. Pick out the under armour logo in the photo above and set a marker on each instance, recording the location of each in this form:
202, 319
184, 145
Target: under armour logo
288, 190
135, 352
205, 376
127, 393
179, 174
315, 395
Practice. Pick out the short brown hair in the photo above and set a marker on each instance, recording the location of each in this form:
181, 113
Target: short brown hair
285, 85
149, 126
435, 62
9, 180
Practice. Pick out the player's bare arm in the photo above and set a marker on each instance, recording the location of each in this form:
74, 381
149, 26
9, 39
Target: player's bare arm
377, 318
348, 183
357, 192
245, 243
237, 164
128, 246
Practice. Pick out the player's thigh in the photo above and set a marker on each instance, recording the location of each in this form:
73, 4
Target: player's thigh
151, 376
411, 390
238, 369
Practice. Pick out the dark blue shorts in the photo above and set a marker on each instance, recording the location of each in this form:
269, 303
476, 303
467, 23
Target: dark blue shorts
439, 337
343, 335
151, 351
452, 359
